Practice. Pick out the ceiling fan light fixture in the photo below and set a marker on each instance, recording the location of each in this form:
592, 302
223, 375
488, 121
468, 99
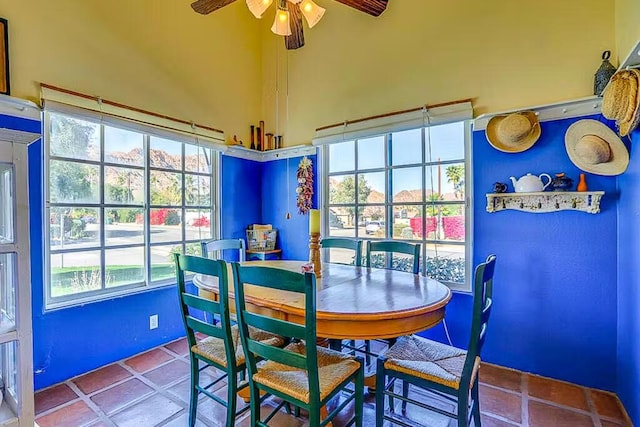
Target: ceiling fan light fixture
311, 12
281, 25
258, 7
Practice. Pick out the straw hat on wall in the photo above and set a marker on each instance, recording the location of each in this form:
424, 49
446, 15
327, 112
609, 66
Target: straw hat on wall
595, 148
513, 133
621, 100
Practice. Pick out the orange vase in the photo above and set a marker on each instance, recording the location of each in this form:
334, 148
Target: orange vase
582, 184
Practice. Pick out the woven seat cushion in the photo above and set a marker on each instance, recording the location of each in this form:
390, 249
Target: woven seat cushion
213, 348
333, 368
429, 360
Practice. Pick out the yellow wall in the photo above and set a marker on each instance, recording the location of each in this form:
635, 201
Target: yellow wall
219, 69
627, 26
165, 59
503, 53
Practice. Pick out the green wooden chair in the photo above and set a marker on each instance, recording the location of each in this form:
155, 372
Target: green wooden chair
222, 343
392, 246
345, 243
356, 246
211, 246
301, 374
445, 371
213, 249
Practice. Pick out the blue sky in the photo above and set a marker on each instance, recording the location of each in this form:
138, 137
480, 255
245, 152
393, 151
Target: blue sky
447, 143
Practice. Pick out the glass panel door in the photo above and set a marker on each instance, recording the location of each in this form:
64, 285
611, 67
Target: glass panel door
16, 369
9, 372
7, 292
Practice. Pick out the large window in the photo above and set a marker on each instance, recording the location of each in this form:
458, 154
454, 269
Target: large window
410, 186
120, 203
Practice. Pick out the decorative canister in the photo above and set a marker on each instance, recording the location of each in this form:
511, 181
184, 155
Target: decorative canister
500, 187
603, 74
561, 182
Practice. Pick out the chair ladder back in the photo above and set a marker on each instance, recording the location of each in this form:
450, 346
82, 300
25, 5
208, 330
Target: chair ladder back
282, 280
482, 304
392, 246
284, 328
274, 278
196, 325
220, 245
201, 303
345, 243
199, 265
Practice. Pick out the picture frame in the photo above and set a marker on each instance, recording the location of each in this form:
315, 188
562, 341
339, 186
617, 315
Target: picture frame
4, 57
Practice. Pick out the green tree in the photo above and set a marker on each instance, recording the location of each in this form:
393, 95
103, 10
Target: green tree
345, 192
455, 175
71, 181
118, 193
435, 209
166, 191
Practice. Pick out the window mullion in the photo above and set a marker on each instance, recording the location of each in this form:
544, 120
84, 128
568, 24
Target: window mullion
103, 219
147, 208
424, 199
183, 225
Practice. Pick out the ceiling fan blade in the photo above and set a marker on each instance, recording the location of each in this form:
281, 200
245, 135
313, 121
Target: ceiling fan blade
205, 7
372, 7
296, 39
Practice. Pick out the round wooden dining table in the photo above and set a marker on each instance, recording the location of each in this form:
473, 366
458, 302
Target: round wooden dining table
352, 302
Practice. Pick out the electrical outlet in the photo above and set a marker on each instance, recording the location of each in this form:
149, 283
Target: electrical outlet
153, 321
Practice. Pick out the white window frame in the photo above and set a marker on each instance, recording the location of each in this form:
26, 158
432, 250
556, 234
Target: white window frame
148, 132
387, 131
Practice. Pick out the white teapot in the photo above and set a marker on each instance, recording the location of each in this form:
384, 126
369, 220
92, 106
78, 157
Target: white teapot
530, 183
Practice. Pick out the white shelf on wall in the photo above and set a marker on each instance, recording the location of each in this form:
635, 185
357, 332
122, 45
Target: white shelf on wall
554, 111
544, 202
269, 155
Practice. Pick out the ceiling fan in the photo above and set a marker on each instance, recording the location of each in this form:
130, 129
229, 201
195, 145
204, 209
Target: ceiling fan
290, 13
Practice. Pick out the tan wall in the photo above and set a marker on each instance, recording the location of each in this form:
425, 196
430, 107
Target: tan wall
165, 59
220, 69
503, 53
627, 26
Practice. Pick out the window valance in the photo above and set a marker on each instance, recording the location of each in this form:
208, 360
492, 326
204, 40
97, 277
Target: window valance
428, 115
108, 112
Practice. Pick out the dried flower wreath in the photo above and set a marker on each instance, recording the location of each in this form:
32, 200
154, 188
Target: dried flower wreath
305, 185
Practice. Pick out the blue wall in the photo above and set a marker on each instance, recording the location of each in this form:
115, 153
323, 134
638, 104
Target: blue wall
240, 198
555, 279
555, 288
293, 233
74, 340
628, 357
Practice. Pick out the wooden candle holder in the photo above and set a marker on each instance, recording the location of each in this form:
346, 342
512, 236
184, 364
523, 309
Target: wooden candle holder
314, 253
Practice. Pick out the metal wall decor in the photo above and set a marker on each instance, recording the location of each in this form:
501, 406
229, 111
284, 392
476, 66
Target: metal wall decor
604, 73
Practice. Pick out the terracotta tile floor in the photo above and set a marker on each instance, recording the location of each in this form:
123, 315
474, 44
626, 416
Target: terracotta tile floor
152, 389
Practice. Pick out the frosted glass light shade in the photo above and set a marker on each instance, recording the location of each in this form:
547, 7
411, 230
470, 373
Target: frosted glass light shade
281, 25
257, 7
312, 12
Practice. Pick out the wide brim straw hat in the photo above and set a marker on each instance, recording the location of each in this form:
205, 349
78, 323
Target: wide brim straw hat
513, 133
595, 148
